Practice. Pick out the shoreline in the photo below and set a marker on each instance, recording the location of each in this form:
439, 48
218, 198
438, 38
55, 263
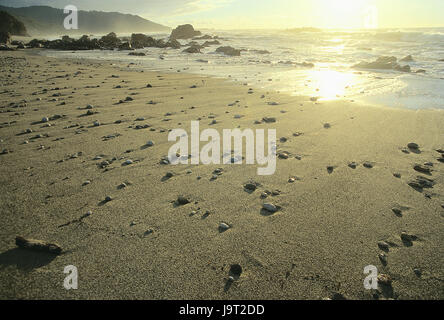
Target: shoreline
141, 245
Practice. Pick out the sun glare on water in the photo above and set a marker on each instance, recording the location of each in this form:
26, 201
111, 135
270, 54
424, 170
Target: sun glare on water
330, 84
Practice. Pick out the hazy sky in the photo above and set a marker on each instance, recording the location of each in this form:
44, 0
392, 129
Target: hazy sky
239, 14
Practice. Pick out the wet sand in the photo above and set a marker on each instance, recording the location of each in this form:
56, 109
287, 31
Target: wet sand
335, 217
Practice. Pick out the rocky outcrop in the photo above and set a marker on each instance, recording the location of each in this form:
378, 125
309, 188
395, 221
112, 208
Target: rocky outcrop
383, 63
173, 43
185, 31
110, 41
67, 43
5, 37
139, 41
229, 51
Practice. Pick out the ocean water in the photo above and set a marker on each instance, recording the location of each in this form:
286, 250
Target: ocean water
332, 52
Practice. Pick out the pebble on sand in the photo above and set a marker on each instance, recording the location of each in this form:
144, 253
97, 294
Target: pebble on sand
384, 279
270, 207
223, 227
413, 146
182, 200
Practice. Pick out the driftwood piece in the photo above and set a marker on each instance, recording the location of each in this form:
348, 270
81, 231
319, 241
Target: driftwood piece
37, 245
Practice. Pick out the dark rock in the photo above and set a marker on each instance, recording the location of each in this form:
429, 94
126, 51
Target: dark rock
5, 37
140, 41
422, 168
383, 63
229, 51
193, 49
125, 46
137, 54
421, 182
181, 200
110, 41
38, 245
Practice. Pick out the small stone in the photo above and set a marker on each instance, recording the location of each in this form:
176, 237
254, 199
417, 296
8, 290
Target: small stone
368, 165
384, 279
327, 126
128, 162
270, 207
397, 175
235, 270
96, 123
250, 186
108, 199
45, 119
269, 120
129, 99
223, 227
283, 155
422, 168
86, 183
181, 200
150, 143
353, 165
413, 146
383, 257
383, 245
407, 237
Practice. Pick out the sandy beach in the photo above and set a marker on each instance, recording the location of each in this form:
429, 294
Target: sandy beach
76, 170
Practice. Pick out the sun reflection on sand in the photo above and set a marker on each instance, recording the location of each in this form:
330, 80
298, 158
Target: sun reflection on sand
330, 84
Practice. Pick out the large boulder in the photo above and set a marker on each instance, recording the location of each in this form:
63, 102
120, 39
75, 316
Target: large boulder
5, 37
110, 41
140, 41
383, 63
229, 51
185, 31
173, 43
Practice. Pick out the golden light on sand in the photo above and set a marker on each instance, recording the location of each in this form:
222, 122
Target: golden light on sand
329, 84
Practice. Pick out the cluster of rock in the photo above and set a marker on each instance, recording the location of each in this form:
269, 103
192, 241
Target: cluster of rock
136, 41
108, 42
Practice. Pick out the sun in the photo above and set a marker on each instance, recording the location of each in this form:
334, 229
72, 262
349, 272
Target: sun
345, 14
